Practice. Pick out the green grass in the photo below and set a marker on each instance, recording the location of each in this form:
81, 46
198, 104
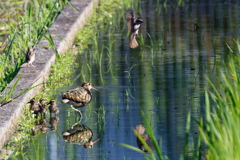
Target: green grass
220, 132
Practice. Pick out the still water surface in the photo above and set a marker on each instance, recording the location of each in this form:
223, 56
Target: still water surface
164, 78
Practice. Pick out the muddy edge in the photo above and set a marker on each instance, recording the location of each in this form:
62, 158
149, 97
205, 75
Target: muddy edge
64, 30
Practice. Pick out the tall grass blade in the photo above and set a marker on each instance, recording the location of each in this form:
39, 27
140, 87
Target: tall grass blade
151, 135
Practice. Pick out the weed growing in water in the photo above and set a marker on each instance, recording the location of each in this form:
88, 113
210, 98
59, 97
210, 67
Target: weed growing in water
101, 119
129, 72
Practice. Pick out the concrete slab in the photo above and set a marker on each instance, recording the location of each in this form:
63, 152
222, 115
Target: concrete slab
65, 28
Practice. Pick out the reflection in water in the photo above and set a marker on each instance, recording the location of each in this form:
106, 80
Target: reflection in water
140, 130
53, 123
80, 134
40, 124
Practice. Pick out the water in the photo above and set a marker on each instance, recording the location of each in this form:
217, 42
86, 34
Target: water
165, 83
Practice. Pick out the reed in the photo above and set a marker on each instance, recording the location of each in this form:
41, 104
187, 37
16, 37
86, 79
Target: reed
220, 132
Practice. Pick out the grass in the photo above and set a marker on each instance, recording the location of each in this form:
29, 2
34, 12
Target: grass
220, 132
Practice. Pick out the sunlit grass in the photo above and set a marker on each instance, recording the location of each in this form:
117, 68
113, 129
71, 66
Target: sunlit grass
219, 129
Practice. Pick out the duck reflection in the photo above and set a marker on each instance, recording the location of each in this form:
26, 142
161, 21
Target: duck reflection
140, 130
53, 123
41, 125
79, 134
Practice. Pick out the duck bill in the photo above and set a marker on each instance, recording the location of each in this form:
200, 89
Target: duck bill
96, 140
30, 102
95, 89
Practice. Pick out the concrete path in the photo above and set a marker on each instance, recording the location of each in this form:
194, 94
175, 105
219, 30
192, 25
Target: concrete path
65, 28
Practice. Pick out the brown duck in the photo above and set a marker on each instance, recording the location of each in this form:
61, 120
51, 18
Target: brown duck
79, 97
34, 106
53, 123
140, 130
30, 58
42, 106
53, 108
133, 25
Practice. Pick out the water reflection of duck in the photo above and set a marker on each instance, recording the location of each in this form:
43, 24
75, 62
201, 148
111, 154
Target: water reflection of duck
53, 123
40, 124
140, 130
53, 108
81, 135
78, 97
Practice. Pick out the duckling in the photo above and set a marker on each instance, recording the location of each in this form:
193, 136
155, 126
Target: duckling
53, 108
34, 106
